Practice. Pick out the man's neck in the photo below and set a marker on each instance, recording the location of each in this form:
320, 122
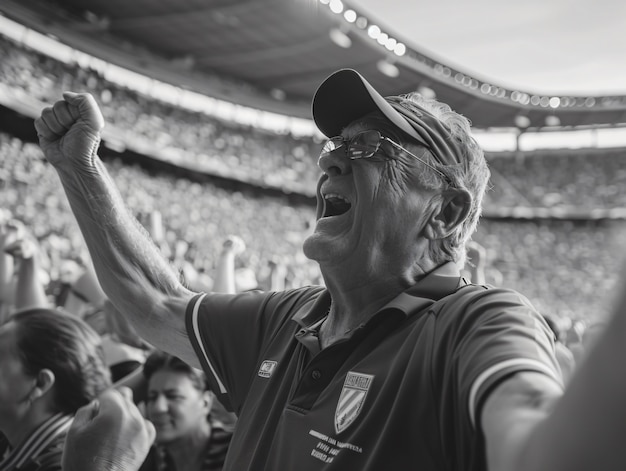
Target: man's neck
356, 299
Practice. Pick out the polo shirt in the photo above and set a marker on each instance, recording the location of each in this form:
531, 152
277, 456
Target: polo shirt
42, 449
401, 391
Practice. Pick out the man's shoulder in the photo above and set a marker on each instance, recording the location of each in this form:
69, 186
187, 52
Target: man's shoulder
50, 459
296, 299
473, 305
477, 296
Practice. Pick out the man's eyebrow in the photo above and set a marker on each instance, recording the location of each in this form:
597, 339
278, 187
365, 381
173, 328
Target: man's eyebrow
164, 391
365, 124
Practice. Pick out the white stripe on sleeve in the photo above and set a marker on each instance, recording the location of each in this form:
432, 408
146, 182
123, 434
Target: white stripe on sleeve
196, 333
485, 375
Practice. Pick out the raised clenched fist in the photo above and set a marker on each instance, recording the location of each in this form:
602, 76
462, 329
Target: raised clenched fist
69, 131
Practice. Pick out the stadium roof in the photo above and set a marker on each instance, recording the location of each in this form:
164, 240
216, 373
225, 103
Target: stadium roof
278, 51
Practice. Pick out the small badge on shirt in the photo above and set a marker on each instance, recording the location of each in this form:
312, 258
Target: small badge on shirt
267, 368
352, 398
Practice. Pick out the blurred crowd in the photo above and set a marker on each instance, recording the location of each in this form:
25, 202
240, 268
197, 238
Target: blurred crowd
186, 138
586, 179
564, 267
535, 179
187, 220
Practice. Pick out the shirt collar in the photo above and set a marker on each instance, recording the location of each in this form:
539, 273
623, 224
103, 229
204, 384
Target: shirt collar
37, 441
312, 314
437, 284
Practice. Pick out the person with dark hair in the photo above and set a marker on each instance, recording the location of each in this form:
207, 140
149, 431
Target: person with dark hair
179, 403
397, 362
51, 364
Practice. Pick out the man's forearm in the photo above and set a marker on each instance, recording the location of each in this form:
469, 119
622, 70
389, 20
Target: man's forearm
129, 266
588, 425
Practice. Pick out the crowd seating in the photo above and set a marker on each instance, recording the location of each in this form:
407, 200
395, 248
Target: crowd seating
565, 267
550, 178
531, 179
203, 215
190, 138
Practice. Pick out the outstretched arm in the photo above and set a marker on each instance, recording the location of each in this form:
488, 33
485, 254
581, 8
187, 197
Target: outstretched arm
130, 268
529, 426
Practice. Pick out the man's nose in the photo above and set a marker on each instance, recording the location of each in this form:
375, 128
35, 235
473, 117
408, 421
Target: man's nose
159, 404
335, 163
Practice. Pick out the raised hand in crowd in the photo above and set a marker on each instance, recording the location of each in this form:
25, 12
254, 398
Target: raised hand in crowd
108, 434
30, 279
224, 280
475, 263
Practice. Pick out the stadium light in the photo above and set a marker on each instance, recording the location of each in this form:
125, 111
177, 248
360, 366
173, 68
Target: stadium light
373, 31
340, 38
399, 49
350, 16
387, 68
336, 6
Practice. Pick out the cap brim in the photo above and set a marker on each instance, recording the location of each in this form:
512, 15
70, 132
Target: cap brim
346, 96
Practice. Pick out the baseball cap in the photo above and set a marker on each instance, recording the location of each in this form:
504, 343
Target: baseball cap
346, 96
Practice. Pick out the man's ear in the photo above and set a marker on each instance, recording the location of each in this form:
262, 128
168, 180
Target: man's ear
453, 209
208, 400
43, 383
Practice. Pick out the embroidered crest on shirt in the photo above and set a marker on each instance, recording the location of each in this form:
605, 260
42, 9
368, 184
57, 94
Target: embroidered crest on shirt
267, 368
352, 398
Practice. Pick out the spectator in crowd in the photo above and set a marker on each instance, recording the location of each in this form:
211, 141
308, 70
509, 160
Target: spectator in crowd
24, 280
475, 263
592, 333
398, 363
7, 269
574, 339
179, 404
124, 351
84, 291
61, 288
564, 356
225, 281
51, 364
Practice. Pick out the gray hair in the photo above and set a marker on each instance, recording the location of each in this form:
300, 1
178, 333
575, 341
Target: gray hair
472, 174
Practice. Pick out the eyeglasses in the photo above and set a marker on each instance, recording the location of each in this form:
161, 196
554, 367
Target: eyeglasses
365, 144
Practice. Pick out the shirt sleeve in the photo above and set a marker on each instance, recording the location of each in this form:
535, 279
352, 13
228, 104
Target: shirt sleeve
229, 333
496, 334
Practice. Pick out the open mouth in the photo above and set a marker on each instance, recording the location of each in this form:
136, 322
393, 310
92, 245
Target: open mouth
335, 205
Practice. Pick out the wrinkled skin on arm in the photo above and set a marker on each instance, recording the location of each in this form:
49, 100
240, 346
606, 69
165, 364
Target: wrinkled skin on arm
130, 268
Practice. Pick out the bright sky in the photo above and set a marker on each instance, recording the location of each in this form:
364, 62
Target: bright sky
541, 46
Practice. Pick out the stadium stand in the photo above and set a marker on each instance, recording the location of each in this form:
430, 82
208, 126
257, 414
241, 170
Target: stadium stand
552, 219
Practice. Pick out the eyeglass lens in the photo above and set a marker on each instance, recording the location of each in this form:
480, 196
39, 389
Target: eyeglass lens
362, 146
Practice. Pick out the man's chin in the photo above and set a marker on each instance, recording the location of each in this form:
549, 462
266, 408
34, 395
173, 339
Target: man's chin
310, 246
318, 247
